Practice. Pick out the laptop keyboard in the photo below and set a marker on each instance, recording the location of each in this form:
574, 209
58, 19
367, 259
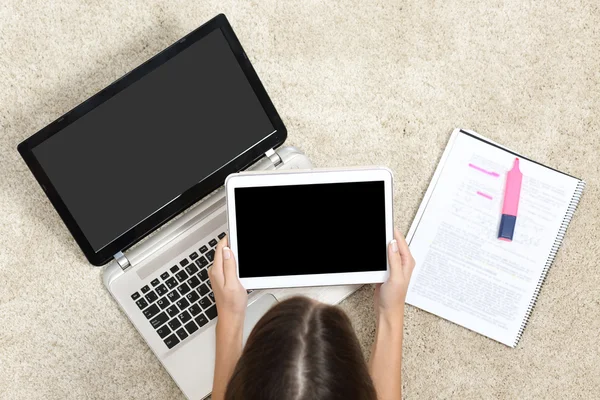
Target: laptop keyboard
181, 300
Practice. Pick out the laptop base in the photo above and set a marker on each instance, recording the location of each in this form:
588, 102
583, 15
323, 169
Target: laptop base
192, 369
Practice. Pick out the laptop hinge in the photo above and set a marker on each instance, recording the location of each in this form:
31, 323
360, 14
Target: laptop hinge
122, 261
274, 157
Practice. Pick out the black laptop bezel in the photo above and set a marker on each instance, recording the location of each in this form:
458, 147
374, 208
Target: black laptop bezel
187, 198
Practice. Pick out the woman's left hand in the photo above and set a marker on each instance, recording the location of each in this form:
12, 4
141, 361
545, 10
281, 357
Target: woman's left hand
230, 295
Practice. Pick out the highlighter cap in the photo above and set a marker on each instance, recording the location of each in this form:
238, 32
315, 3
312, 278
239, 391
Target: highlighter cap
507, 227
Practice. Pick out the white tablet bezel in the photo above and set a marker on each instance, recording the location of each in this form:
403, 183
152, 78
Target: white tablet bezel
315, 176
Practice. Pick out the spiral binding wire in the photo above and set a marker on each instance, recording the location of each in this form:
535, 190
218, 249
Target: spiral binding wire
557, 242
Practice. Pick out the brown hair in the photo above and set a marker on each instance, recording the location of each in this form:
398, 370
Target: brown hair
302, 350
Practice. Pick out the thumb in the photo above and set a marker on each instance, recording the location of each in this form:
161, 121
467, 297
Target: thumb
394, 260
405, 256
229, 267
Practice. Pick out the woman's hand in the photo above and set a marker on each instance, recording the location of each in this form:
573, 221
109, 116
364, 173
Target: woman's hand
390, 296
231, 299
230, 295
385, 364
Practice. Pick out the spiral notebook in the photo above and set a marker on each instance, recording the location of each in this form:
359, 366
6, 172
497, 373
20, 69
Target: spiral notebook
464, 273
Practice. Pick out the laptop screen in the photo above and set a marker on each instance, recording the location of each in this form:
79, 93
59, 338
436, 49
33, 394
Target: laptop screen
174, 127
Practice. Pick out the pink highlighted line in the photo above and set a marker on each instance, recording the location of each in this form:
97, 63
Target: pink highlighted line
490, 173
487, 196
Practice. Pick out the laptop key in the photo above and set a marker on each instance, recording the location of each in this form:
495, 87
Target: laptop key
203, 289
185, 317
213, 243
181, 276
182, 304
203, 249
135, 296
172, 310
141, 303
201, 320
151, 297
174, 269
173, 295
159, 320
210, 255
191, 269
171, 341
183, 288
164, 331
164, 275
184, 262
208, 283
193, 256
163, 303
211, 313
222, 235
162, 289
203, 275
174, 324
171, 282
155, 282
191, 327
145, 289
212, 296
192, 296
194, 310
182, 334
193, 282
205, 303
202, 262
151, 311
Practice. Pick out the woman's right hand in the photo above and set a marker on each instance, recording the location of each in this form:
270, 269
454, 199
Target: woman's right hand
390, 296
231, 299
230, 296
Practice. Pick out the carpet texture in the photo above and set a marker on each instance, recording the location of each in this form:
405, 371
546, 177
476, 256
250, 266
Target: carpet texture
357, 83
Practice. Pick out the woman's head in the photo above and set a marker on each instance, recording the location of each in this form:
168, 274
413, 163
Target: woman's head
302, 350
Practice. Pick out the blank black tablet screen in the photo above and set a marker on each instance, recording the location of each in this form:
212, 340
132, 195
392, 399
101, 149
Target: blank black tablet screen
311, 229
127, 158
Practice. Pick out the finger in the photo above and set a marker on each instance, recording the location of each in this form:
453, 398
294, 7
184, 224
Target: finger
215, 272
403, 249
229, 267
224, 255
394, 260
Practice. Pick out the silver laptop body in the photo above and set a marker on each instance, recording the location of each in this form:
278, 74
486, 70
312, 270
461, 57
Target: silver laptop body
190, 361
202, 87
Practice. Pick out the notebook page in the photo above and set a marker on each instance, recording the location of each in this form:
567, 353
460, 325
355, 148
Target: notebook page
464, 273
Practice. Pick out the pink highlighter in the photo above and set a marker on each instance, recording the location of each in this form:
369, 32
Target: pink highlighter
511, 203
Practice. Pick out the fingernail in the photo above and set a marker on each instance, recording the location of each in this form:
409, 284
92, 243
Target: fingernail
394, 245
226, 253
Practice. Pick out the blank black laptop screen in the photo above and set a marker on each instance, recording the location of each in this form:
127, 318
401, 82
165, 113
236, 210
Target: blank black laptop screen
138, 151
315, 229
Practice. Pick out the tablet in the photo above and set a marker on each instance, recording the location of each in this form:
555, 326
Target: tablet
310, 228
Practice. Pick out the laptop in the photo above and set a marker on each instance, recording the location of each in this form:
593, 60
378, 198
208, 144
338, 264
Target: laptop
136, 173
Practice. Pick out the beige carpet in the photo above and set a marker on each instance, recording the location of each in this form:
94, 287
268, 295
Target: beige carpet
357, 83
